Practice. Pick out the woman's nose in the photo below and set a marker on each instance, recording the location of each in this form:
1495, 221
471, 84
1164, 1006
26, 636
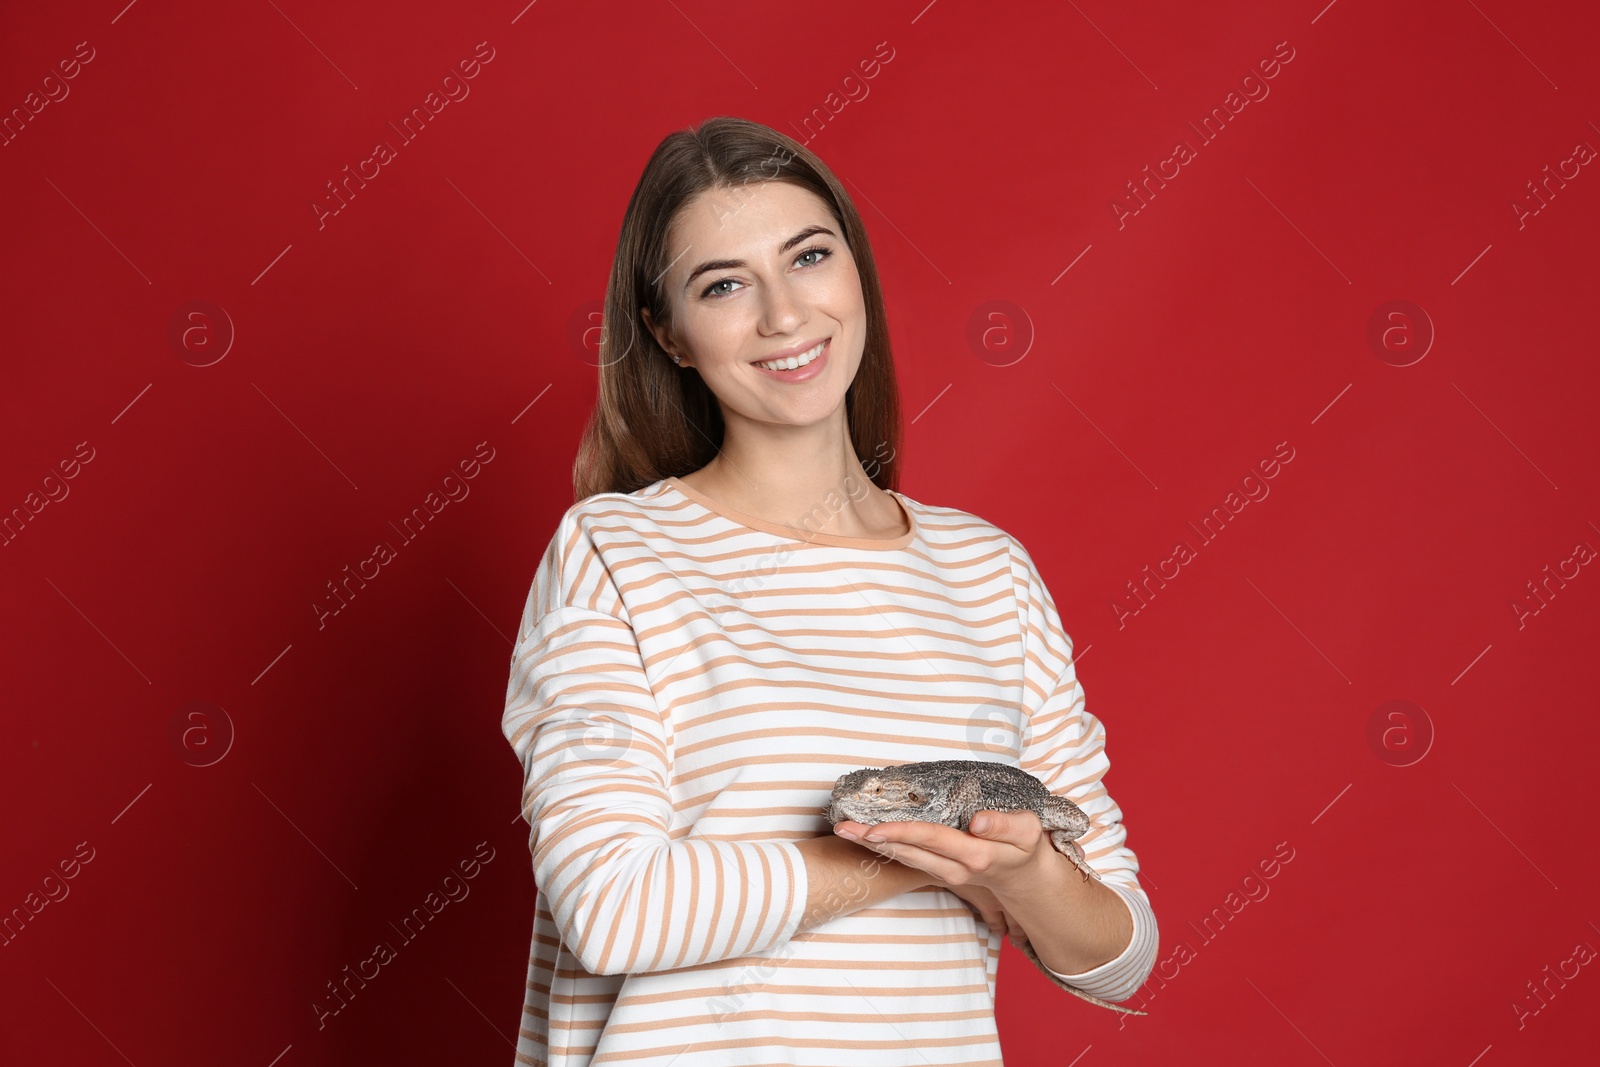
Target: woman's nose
782, 310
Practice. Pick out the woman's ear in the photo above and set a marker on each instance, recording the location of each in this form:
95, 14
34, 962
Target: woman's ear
663, 338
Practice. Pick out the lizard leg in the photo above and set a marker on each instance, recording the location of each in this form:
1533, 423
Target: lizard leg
1064, 843
963, 800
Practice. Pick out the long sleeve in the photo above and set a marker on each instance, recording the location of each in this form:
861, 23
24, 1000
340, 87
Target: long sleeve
1063, 745
582, 717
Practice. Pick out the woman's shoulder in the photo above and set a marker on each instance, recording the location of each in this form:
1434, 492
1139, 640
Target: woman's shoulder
594, 537
944, 523
601, 518
640, 503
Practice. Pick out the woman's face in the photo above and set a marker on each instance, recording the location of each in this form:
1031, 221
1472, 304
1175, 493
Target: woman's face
758, 270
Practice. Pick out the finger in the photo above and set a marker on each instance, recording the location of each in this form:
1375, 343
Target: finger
956, 847
1021, 830
933, 836
898, 850
1001, 924
952, 856
890, 837
941, 867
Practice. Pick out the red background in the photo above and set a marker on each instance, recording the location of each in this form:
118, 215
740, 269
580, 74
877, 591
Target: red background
444, 306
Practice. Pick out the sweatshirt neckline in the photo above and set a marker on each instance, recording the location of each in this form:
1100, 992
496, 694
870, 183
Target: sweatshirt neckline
817, 538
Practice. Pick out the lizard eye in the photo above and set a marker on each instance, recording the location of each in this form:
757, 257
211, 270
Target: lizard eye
916, 798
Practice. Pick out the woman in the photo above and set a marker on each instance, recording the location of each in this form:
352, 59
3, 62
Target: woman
741, 607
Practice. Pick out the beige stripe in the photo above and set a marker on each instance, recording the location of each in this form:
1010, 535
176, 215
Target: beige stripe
687, 935
571, 884
896, 1042
846, 713
603, 816
855, 990
661, 564
955, 937
850, 965
667, 914
632, 962
885, 680
725, 632
823, 760
744, 898
612, 928
765, 916
844, 1018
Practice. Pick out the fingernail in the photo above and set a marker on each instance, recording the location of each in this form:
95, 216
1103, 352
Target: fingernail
846, 833
874, 837
980, 824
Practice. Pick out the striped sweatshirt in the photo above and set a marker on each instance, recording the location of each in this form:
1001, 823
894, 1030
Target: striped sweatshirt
687, 684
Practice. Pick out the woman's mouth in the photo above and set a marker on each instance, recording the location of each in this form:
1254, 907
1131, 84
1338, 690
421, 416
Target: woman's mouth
799, 368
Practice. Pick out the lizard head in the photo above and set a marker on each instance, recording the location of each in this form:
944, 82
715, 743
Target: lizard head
873, 795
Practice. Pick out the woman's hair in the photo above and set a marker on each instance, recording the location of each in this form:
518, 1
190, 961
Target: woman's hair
653, 418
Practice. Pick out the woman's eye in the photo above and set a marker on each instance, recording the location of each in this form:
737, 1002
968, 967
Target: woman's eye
816, 250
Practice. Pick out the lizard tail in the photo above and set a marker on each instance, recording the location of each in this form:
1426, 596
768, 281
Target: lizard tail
1027, 950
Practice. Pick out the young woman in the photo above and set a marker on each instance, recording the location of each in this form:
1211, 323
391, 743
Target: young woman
739, 608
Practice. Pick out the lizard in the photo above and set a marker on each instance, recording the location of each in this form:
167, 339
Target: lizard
951, 792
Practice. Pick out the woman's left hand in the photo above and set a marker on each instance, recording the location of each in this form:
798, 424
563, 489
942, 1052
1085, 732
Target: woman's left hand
1004, 856
987, 909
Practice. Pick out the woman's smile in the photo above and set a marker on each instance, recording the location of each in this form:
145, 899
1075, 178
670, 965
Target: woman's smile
809, 364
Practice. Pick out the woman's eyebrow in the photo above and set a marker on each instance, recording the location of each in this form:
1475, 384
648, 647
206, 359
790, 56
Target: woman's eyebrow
729, 264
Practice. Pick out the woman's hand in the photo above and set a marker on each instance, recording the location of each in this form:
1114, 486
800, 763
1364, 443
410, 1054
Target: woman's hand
986, 906
980, 867
1072, 924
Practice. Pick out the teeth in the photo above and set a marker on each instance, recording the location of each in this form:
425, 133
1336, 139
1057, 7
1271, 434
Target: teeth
794, 362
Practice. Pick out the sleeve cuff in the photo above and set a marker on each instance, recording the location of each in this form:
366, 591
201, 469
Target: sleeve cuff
1119, 978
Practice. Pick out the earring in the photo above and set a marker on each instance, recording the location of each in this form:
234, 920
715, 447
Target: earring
677, 359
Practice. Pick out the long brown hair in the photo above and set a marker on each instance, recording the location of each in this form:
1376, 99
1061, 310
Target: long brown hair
653, 418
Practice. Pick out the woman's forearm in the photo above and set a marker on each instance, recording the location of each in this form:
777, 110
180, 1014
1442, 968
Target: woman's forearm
1073, 924
843, 877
